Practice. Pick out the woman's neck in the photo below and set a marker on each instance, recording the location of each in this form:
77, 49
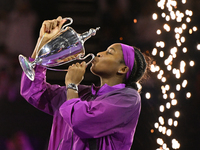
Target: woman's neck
111, 81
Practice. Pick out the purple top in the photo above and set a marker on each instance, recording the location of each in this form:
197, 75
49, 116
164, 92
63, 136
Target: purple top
109, 114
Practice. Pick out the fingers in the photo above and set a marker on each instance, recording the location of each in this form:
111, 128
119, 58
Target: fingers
59, 18
49, 25
52, 26
55, 23
84, 64
61, 22
79, 65
75, 73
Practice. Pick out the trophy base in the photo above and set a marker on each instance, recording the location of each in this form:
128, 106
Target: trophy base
27, 67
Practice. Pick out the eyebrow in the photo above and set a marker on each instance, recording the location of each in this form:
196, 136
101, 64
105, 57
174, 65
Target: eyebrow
112, 49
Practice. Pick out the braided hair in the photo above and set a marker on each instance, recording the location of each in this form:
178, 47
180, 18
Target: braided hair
138, 71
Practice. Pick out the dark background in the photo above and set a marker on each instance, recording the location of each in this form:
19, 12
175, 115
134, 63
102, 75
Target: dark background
19, 121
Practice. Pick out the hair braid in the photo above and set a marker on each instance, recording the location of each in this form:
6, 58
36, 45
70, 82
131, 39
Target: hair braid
138, 70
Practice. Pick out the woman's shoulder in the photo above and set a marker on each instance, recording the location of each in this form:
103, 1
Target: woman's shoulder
128, 91
124, 93
128, 94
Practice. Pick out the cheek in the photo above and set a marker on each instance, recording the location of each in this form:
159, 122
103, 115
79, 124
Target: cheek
104, 67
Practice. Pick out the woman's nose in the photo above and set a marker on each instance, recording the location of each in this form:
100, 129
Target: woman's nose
99, 55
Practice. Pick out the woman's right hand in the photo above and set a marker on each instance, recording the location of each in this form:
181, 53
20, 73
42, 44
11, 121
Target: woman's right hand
49, 29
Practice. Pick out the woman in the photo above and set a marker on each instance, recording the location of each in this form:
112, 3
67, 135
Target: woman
90, 117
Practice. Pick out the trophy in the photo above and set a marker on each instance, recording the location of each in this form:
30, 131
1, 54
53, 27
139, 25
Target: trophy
63, 48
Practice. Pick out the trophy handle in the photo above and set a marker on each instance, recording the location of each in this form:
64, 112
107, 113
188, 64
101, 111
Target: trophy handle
90, 54
77, 58
27, 67
65, 26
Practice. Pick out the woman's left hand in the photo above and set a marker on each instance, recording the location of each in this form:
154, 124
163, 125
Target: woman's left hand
75, 73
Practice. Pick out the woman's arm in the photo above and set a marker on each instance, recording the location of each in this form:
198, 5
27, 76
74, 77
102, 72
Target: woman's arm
74, 75
49, 29
41, 94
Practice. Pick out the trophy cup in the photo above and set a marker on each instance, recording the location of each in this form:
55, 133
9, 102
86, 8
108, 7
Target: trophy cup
65, 47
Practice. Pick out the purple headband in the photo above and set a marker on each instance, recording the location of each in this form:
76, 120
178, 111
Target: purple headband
129, 56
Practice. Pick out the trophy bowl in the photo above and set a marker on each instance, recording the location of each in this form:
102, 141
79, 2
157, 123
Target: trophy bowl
65, 47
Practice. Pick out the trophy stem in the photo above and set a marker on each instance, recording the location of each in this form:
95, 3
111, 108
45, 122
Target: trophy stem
27, 67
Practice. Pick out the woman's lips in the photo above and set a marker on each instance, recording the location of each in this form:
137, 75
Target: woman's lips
94, 60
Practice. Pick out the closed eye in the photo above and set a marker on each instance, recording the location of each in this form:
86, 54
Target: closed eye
108, 52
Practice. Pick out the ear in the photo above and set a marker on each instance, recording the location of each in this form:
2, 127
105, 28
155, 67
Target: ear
123, 70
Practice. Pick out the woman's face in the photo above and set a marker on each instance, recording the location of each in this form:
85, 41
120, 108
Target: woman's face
108, 63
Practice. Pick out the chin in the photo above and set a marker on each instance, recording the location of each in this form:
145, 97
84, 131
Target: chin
92, 69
